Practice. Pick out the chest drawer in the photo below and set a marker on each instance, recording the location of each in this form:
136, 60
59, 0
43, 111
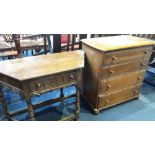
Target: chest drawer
115, 70
54, 82
126, 55
118, 97
120, 82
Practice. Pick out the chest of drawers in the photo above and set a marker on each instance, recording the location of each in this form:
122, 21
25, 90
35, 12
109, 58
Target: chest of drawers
114, 69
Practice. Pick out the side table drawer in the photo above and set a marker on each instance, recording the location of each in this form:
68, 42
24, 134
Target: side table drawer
127, 55
115, 70
50, 83
118, 97
120, 82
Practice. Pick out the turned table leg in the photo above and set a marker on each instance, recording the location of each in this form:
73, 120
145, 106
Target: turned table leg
3, 102
62, 95
30, 108
62, 98
77, 112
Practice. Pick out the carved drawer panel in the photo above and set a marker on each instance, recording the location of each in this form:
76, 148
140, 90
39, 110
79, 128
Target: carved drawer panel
115, 70
126, 55
118, 97
121, 82
46, 84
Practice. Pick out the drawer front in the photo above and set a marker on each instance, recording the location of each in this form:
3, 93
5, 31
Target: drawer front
54, 82
124, 68
121, 82
126, 55
118, 97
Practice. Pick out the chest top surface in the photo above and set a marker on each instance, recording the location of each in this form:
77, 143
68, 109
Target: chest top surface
117, 42
37, 66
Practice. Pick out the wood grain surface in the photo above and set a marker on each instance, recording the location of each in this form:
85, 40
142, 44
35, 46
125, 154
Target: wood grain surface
37, 66
117, 42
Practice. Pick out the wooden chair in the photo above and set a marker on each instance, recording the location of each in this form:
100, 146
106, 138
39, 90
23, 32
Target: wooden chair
18, 43
7, 42
33, 42
7, 47
75, 44
65, 42
149, 36
61, 42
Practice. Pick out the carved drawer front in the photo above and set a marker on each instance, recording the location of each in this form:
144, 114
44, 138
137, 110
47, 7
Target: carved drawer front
126, 55
50, 83
115, 70
118, 97
120, 82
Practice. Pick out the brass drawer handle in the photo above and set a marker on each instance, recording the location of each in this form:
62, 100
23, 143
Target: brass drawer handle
38, 84
114, 58
139, 78
107, 101
108, 86
71, 77
146, 52
136, 92
143, 64
111, 71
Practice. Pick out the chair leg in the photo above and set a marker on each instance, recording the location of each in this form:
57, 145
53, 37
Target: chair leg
62, 98
68, 37
26, 52
73, 42
77, 112
32, 52
3, 102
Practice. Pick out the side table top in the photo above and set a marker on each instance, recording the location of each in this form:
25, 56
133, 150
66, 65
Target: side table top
42, 65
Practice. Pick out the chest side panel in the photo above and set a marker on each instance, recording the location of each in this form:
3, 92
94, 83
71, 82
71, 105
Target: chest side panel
92, 70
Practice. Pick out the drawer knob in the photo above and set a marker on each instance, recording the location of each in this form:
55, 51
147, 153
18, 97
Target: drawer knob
142, 64
107, 101
38, 84
139, 78
146, 52
111, 71
108, 86
114, 58
71, 77
136, 91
